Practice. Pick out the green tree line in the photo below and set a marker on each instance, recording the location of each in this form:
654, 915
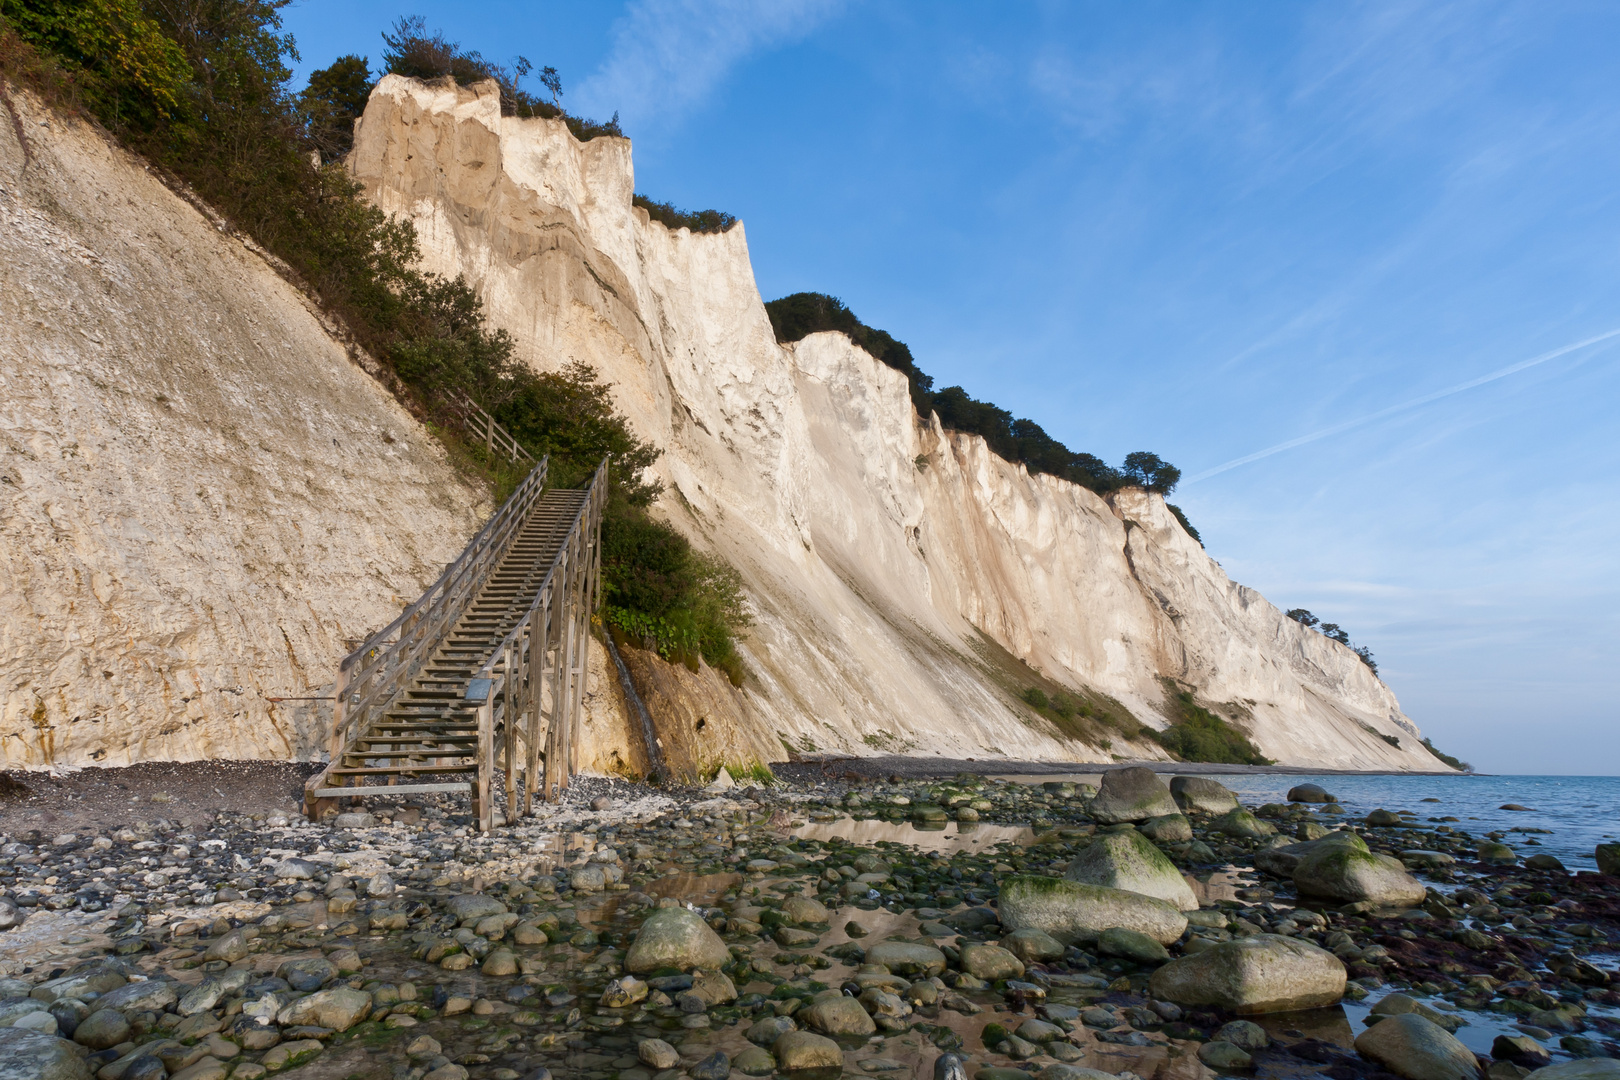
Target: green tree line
1015, 439
202, 90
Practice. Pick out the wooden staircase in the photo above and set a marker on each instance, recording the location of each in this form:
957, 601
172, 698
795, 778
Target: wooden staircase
486, 669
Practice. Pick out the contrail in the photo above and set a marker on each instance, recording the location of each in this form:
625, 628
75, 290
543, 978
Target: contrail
1402, 407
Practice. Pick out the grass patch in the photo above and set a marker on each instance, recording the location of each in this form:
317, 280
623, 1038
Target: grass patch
752, 773
1088, 717
1197, 734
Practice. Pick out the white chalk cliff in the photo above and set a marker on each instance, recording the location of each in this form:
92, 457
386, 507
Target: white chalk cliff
901, 575
201, 494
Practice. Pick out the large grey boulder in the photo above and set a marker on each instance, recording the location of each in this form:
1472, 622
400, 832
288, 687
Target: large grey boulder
1072, 911
1170, 829
33, 1055
1241, 823
1342, 872
1133, 794
1281, 861
1201, 794
339, 1009
1608, 862
1130, 861
1418, 1049
675, 937
1310, 793
1261, 974
1584, 1069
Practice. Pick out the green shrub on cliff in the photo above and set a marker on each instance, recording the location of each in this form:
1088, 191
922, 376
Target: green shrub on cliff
201, 89
1199, 735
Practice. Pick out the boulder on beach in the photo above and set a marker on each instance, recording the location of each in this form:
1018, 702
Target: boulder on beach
1584, 1069
798, 1050
678, 938
837, 1015
1310, 793
1130, 861
991, 963
1032, 946
1608, 859
1170, 829
1265, 973
907, 958
1241, 823
1133, 794
1281, 861
1201, 794
1347, 874
1418, 1049
34, 1055
1072, 911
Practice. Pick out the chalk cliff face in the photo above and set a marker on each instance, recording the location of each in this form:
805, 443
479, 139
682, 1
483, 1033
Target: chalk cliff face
201, 494
902, 576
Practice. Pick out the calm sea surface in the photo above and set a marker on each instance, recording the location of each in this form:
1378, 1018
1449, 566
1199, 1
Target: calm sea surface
1579, 811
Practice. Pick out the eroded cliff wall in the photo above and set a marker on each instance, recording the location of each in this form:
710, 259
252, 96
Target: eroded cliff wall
201, 495
902, 577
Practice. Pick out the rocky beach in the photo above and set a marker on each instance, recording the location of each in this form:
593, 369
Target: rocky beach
830, 924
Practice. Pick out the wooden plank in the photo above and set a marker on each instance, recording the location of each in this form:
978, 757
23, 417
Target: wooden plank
398, 789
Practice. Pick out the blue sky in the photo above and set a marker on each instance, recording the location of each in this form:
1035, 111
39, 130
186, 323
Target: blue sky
1206, 230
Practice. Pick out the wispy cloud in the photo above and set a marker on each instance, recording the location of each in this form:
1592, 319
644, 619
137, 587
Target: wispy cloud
668, 55
1405, 406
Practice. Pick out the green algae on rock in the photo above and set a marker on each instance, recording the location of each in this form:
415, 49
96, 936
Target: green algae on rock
1073, 911
1265, 973
1132, 862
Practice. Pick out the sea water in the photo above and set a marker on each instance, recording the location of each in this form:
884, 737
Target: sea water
1578, 812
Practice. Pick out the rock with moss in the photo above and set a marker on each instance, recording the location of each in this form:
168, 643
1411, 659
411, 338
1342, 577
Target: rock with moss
1348, 875
1199, 794
1282, 861
1497, 854
1588, 1069
1418, 1049
907, 958
1131, 945
675, 938
1133, 794
1242, 824
1073, 911
1608, 859
1265, 973
991, 963
1130, 861
1033, 946
1170, 829
798, 1050
834, 1014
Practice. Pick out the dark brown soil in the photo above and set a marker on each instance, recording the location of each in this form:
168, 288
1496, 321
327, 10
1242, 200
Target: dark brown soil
96, 800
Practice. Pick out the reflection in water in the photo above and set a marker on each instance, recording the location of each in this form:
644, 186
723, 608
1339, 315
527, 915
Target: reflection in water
954, 836
1330, 1025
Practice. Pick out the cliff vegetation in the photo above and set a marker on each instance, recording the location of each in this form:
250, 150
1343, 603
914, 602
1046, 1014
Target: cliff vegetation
1015, 439
201, 89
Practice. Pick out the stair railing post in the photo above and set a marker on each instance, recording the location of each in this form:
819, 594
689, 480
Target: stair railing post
561, 689
509, 666
537, 671
486, 753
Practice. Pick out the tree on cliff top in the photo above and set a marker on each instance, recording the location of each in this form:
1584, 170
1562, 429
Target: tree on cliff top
1020, 440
